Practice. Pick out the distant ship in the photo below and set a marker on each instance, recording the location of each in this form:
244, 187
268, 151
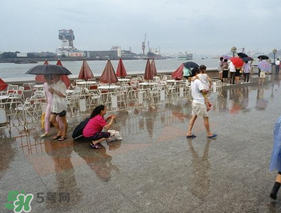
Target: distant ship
155, 54
185, 56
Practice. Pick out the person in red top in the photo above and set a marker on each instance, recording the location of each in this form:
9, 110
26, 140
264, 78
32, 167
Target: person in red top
93, 129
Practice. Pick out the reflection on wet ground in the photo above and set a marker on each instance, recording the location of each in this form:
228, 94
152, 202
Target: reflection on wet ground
155, 168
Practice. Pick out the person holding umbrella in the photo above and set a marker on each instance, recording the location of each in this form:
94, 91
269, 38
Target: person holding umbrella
59, 107
47, 84
246, 71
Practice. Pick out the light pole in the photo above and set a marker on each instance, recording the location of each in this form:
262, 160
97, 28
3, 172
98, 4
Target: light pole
233, 50
274, 53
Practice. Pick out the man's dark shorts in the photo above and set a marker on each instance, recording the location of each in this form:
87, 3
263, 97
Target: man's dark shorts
61, 114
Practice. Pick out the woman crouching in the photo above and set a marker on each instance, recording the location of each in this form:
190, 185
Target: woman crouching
93, 129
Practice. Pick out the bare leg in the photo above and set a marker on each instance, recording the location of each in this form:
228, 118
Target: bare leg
207, 126
65, 126
55, 123
191, 124
98, 141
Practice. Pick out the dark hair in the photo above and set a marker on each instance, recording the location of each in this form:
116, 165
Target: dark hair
221, 58
97, 110
202, 67
225, 60
195, 71
48, 77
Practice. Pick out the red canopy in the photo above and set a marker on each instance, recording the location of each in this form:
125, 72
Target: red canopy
108, 75
153, 67
237, 62
178, 73
3, 85
85, 71
121, 71
148, 75
40, 78
64, 78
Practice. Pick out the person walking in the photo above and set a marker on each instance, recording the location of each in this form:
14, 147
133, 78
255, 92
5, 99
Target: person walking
246, 71
198, 106
275, 162
59, 107
47, 84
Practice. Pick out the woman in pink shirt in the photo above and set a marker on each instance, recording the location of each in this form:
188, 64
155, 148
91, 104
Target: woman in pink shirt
93, 129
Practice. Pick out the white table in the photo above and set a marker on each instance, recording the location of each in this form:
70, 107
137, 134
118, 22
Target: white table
124, 79
148, 83
3, 97
39, 86
85, 82
108, 87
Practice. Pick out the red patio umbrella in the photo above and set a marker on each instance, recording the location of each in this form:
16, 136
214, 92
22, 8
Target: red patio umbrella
178, 73
121, 71
108, 74
40, 78
64, 78
148, 75
153, 67
3, 85
85, 71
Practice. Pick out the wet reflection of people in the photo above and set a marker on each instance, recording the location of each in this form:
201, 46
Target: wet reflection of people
98, 161
261, 103
200, 184
64, 171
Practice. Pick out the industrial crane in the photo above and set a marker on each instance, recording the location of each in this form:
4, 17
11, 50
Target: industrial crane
143, 45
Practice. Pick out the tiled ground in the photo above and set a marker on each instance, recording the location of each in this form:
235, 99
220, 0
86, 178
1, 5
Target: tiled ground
155, 168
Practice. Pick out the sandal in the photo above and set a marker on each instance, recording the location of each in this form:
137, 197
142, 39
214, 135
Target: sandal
95, 146
57, 137
62, 138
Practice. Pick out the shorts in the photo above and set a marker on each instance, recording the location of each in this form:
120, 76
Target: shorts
225, 74
100, 135
237, 73
61, 114
199, 110
262, 74
220, 72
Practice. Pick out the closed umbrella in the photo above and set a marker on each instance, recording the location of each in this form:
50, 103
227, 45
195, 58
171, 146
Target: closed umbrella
148, 75
178, 73
108, 74
3, 85
153, 67
85, 71
40, 78
64, 78
121, 71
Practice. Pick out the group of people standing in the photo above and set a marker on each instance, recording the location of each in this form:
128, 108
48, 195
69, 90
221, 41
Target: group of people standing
228, 72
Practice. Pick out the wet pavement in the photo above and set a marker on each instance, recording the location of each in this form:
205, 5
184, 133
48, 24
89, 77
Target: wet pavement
154, 168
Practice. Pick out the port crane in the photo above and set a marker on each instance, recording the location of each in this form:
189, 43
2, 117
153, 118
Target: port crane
143, 45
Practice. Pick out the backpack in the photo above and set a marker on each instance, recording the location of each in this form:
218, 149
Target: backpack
78, 131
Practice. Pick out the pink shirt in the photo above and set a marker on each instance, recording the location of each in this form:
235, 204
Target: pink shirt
94, 125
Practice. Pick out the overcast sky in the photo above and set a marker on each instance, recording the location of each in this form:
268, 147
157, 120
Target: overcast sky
198, 26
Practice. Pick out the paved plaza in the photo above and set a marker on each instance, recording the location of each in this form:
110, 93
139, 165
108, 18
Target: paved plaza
154, 168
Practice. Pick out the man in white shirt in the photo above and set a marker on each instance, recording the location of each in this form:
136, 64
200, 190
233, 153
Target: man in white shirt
277, 63
232, 71
198, 106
